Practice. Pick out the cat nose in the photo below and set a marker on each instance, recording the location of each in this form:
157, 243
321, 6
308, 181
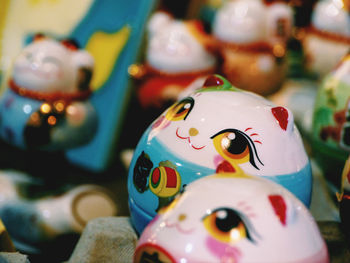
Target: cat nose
181, 217
193, 132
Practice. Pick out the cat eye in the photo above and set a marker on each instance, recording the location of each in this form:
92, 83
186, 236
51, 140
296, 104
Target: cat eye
236, 145
227, 225
180, 110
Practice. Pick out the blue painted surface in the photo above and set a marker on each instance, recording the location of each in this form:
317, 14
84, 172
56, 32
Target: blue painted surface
15, 112
143, 205
110, 100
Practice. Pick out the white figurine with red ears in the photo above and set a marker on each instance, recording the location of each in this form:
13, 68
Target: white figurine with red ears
46, 103
178, 52
328, 38
217, 128
252, 37
233, 218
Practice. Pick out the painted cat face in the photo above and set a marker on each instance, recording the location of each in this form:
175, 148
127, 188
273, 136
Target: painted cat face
175, 46
213, 128
48, 65
233, 218
216, 129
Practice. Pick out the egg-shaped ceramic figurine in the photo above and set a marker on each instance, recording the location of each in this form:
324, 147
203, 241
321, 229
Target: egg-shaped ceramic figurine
233, 218
328, 38
331, 123
218, 128
251, 37
45, 105
177, 53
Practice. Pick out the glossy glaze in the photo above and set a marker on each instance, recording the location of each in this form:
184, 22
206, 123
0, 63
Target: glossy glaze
216, 128
233, 218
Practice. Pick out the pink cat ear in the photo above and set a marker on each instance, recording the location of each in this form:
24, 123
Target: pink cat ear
280, 207
284, 117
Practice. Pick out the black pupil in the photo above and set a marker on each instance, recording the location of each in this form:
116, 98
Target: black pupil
227, 222
183, 108
237, 145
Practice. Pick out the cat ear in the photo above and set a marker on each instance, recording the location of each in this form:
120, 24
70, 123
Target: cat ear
279, 22
283, 208
70, 44
83, 63
158, 21
284, 118
38, 37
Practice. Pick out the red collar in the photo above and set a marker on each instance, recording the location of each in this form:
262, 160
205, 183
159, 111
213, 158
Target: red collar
44, 96
255, 47
329, 35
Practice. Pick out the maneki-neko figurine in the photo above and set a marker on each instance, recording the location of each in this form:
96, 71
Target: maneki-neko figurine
233, 217
331, 122
217, 128
327, 39
178, 52
251, 36
46, 104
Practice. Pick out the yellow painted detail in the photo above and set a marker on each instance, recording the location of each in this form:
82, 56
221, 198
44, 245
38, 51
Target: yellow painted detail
344, 183
2, 227
105, 48
4, 4
35, 2
238, 174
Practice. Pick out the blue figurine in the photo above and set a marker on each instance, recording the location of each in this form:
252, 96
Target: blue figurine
46, 104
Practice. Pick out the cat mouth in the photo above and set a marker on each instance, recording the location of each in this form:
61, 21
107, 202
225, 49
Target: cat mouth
37, 72
179, 228
188, 138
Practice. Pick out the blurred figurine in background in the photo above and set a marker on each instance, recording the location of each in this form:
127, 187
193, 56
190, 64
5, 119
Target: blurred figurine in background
252, 36
46, 103
331, 121
327, 40
34, 221
178, 52
46, 107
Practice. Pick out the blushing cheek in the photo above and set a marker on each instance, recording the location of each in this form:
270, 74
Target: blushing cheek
224, 252
217, 160
161, 123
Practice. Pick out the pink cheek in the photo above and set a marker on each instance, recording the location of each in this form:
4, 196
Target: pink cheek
161, 123
223, 251
217, 160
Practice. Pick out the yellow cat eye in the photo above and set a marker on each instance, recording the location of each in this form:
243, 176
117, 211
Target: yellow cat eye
235, 145
180, 110
225, 225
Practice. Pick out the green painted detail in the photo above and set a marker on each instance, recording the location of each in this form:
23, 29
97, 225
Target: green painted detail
226, 86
